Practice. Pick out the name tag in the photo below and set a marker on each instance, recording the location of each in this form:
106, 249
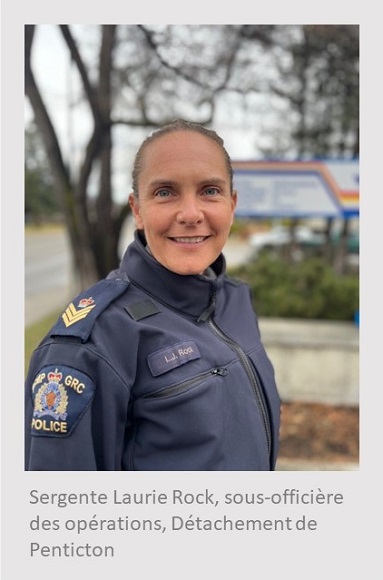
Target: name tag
171, 357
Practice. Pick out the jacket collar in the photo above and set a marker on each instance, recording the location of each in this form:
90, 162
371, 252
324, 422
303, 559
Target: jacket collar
191, 294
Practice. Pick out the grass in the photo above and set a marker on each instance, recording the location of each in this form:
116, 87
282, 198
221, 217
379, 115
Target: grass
35, 333
43, 228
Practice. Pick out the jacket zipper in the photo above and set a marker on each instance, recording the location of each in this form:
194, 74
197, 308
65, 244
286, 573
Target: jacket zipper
247, 365
180, 387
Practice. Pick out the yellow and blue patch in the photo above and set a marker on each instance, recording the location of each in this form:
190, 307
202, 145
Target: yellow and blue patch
80, 315
60, 397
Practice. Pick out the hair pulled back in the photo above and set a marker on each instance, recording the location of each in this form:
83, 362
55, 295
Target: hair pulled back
174, 126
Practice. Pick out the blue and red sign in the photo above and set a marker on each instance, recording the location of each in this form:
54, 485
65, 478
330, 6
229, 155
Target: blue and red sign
321, 188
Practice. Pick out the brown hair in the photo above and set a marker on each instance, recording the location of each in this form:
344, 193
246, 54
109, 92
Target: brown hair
178, 125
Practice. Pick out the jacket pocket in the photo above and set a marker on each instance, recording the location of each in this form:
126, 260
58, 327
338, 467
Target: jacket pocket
186, 385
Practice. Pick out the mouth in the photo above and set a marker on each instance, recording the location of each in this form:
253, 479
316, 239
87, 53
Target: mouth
189, 239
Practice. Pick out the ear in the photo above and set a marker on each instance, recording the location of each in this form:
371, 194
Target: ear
135, 207
233, 203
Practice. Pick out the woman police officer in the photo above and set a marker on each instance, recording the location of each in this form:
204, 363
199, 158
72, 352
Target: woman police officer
160, 366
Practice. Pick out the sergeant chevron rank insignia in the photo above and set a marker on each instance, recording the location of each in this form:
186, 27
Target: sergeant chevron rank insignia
73, 314
79, 317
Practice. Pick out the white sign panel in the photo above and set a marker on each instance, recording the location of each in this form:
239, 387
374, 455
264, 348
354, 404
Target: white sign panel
299, 189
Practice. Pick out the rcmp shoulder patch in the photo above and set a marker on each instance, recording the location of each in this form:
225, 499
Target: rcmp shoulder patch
60, 397
80, 315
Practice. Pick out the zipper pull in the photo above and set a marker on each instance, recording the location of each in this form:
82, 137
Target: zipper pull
220, 371
206, 314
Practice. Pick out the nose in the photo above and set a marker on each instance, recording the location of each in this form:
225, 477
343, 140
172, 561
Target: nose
189, 212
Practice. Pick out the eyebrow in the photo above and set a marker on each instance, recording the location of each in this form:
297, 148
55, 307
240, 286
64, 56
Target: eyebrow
171, 182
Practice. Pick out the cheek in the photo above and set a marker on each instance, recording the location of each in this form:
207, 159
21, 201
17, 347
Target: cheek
153, 219
161, 215
224, 220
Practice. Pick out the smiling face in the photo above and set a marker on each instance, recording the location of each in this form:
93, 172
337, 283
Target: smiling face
185, 205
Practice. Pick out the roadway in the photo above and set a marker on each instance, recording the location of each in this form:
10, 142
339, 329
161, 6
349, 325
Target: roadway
47, 273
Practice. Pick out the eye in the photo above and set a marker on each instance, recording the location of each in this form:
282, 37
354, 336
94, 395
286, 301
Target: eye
211, 191
163, 192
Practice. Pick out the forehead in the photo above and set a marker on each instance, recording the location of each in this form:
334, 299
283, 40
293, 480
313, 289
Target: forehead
183, 147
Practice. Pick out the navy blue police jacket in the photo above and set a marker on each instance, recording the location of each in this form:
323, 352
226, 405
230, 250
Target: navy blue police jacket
151, 370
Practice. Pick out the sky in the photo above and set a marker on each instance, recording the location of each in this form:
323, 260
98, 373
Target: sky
60, 88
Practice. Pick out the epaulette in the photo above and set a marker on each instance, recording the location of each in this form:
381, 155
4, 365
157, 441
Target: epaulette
79, 317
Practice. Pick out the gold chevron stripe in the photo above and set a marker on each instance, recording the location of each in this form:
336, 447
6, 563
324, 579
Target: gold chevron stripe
72, 315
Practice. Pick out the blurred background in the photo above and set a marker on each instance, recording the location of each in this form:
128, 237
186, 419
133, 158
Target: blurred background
285, 99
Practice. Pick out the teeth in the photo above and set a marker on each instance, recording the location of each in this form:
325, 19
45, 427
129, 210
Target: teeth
194, 240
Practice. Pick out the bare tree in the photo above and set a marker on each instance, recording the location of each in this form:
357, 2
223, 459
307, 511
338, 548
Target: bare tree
73, 195
94, 222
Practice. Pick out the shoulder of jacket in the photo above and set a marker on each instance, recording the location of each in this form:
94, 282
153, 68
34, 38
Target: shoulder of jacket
235, 282
79, 317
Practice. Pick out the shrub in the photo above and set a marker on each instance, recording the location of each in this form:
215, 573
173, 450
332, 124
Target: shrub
308, 289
